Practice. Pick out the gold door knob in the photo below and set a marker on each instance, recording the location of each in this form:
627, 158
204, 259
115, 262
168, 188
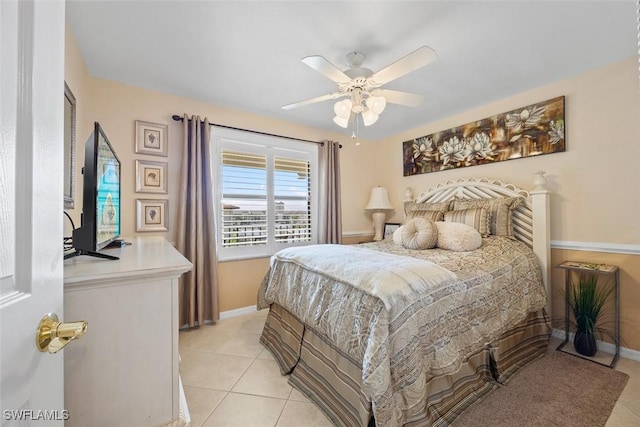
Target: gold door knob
52, 335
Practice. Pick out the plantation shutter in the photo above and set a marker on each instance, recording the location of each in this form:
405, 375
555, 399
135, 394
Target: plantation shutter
244, 199
265, 193
292, 184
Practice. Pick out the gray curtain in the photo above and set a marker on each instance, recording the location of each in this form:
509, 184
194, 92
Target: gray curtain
330, 224
198, 290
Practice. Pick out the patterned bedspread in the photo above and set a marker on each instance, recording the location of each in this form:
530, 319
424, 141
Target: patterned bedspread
425, 334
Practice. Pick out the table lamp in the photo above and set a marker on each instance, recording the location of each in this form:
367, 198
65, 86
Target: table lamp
378, 203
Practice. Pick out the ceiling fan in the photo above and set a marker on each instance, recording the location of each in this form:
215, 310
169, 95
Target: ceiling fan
363, 87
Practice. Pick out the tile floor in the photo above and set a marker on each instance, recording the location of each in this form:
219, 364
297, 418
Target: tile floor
230, 380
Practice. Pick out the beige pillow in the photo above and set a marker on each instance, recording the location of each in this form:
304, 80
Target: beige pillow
397, 235
456, 236
500, 210
430, 215
419, 233
427, 206
478, 218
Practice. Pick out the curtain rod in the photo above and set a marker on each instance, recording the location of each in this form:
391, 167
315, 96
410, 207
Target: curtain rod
178, 118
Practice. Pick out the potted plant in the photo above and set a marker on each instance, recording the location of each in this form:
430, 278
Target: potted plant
587, 300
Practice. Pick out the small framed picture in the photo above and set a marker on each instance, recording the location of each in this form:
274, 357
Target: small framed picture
151, 215
151, 138
389, 228
151, 177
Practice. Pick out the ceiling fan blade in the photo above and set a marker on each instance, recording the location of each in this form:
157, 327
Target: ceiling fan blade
400, 98
321, 65
334, 95
416, 59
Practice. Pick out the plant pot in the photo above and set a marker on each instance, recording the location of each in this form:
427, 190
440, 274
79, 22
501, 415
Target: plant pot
585, 343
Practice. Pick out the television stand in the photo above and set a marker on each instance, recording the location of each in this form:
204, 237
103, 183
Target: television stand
80, 252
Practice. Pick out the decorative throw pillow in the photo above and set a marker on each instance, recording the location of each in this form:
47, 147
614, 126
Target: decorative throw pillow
430, 215
397, 235
419, 233
478, 218
456, 236
500, 210
427, 206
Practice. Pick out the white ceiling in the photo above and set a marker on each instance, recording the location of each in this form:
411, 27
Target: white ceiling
246, 54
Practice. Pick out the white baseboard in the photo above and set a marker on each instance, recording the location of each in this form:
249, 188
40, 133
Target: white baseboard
229, 314
184, 409
607, 347
238, 312
184, 418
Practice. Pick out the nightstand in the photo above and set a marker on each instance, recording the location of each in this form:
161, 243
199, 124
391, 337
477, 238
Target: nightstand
597, 269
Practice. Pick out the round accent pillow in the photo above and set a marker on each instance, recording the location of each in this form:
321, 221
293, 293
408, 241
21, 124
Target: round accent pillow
456, 236
397, 235
419, 233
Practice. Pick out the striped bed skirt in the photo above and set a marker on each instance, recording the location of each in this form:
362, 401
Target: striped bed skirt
332, 379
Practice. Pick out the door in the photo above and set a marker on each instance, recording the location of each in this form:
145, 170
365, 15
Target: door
31, 201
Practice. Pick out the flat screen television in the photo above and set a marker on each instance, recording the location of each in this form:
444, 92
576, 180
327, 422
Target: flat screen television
100, 220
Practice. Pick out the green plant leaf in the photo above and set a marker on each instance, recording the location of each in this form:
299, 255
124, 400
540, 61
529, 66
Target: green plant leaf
587, 300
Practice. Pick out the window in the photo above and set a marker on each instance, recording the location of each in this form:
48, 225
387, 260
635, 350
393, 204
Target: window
265, 193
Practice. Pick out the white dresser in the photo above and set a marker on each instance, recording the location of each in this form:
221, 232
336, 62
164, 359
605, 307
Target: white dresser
124, 370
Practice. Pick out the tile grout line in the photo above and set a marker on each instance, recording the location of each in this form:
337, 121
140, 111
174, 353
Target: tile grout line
214, 409
281, 412
632, 408
243, 374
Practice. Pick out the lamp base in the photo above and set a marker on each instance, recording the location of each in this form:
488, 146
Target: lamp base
379, 218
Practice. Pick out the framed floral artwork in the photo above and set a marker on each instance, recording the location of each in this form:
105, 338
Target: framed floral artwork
151, 177
151, 138
151, 215
528, 131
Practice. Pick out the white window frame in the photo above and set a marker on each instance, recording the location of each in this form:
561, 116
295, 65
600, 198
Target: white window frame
271, 146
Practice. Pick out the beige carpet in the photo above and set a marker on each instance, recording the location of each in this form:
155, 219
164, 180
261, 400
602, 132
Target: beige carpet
556, 390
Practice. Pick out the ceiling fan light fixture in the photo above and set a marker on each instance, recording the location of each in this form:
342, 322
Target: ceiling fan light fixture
341, 121
376, 104
343, 109
369, 117
362, 87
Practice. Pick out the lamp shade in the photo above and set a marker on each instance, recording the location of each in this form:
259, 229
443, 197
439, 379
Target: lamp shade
343, 108
376, 104
341, 121
369, 118
379, 199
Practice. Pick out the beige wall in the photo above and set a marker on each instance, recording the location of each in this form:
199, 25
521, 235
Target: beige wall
117, 106
599, 169
595, 183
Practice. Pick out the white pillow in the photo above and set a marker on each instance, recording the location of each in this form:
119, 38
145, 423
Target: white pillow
397, 235
419, 233
456, 236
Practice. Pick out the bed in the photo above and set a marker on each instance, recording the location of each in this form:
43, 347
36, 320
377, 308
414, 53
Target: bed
381, 335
